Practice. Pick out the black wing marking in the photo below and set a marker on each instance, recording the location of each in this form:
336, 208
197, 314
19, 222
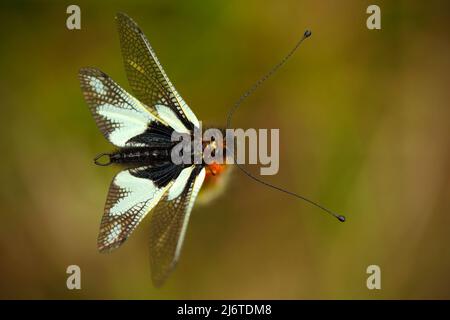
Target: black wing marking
133, 193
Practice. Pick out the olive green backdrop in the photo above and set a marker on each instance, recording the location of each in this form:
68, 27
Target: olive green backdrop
364, 128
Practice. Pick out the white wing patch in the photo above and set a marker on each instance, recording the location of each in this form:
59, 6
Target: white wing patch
129, 122
171, 118
138, 192
118, 115
130, 199
180, 183
97, 85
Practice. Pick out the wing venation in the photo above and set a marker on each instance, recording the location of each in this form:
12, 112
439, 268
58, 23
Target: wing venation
168, 226
119, 116
132, 195
146, 75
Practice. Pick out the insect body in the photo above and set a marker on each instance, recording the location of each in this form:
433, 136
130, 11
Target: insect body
141, 129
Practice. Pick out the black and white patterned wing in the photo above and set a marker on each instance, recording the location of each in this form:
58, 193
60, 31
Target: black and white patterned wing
169, 222
119, 116
147, 78
132, 195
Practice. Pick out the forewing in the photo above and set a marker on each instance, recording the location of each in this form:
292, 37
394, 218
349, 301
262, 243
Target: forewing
169, 221
147, 78
132, 194
119, 116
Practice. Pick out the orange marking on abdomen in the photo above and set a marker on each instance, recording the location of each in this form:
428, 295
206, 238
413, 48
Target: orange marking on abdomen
213, 171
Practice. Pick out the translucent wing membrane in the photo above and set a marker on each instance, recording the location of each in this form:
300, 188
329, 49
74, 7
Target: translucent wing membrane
147, 78
119, 116
169, 221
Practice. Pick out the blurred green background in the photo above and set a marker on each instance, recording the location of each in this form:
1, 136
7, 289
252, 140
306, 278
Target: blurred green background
364, 129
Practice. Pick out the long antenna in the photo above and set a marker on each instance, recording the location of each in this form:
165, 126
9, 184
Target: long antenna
248, 93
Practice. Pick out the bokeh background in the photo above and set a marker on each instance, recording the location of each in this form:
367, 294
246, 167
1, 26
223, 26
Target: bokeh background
364, 128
